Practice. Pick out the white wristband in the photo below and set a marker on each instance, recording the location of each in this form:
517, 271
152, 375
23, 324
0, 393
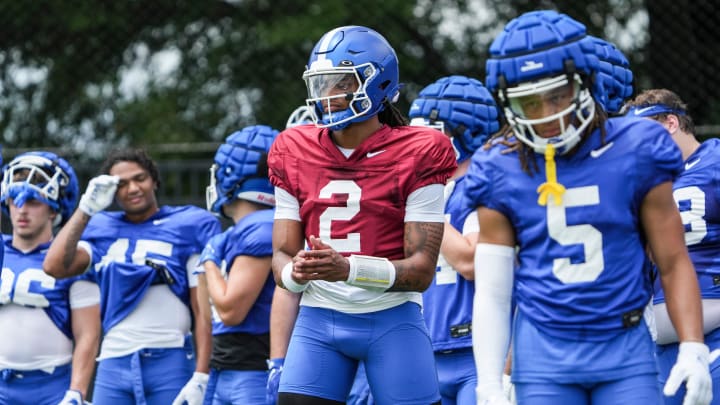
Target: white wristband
370, 271
288, 282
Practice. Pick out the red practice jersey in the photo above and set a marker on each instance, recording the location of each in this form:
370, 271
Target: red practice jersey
356, 204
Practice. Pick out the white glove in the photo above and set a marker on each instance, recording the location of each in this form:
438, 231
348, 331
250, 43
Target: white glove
491, 395
72, 397
692, 368
509, 389
193, 393
99, 194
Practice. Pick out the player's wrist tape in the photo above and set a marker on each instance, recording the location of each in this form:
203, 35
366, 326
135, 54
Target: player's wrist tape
370, 271
288, 282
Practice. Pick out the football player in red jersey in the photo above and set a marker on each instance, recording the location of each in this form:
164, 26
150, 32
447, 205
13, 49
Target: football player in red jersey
365, 192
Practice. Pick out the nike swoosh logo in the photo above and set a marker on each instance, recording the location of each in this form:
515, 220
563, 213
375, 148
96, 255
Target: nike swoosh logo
599, 151
641, 111
689, 165
371, 154
160, 221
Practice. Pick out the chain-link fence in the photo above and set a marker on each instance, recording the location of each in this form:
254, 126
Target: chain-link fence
177, 76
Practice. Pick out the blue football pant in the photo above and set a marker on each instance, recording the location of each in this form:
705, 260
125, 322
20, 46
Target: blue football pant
360, 391
326, 346
618, 369
34, 387
146, 377
457, 376
637, 389
228, 387
666, 358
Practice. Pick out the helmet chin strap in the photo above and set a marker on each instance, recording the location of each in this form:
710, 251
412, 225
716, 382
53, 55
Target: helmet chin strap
551, 187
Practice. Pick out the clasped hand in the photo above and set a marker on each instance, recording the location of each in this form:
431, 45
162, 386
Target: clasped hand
322, 262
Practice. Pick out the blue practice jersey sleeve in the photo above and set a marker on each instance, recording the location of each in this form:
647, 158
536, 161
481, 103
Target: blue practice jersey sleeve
251, 236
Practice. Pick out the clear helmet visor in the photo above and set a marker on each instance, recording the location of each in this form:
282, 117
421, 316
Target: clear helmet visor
543, 99
337, 94
331, 85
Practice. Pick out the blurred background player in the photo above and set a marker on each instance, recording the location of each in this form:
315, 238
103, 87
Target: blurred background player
51, 328
697, 195
143, 258
463, 109
334, 190
285, 304
580, 226
237, 265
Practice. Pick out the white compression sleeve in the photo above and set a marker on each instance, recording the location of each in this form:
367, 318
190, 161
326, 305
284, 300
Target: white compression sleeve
491, 316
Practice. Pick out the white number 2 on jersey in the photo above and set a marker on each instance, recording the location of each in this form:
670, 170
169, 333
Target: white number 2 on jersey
351, 243
586, 235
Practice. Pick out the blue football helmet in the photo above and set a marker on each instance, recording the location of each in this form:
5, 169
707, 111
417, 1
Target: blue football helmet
350, 64
613, 80
302, 115
41, 176
543, 55
240, 169
460, 106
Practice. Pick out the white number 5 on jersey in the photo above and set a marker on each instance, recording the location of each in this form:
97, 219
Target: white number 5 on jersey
586, 235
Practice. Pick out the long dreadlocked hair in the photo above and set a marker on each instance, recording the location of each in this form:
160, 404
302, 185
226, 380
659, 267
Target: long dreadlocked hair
392, 116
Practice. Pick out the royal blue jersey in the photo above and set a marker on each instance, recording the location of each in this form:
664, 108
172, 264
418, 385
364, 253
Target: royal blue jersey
448, 302
130, 257
25, 283
252, 236
582, 264
697, 193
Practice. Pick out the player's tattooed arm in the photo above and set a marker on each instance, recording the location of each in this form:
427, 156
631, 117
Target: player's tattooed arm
63, 258
422, 245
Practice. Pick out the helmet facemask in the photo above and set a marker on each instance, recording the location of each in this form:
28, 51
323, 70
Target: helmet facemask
327, 85
34, 177
569, 98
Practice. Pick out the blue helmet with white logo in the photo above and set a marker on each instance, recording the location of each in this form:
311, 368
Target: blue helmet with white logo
41, 176
240, 169
460, 105
350, 64
538, 54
